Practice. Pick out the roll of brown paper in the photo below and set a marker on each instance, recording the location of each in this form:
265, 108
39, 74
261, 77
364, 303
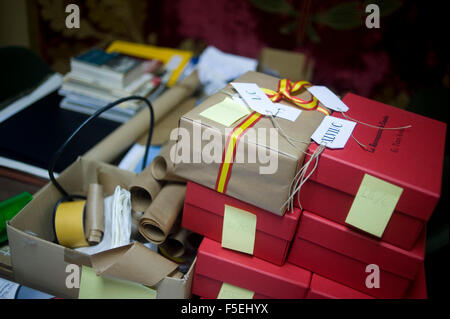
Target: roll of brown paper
94, 214
161, 215
122, 138
162, 166
144, 189
176, 244
109, 182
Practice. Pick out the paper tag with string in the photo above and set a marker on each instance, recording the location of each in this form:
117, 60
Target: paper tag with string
333, 132
328, 98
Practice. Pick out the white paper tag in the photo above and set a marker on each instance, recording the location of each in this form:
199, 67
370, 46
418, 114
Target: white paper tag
280, 110
328, 98
333, 132
255, 98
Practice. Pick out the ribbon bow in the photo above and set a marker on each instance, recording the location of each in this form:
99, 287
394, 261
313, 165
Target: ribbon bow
286, 89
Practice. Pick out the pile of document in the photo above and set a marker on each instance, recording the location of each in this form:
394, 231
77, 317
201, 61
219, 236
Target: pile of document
98, 78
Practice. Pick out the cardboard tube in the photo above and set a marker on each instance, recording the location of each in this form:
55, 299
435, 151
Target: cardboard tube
122, 138
161, 215
94, 214
162, 166
144, 189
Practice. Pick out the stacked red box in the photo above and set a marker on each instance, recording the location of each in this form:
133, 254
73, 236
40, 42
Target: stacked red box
411, 158
342, 254
216, 265
204, 210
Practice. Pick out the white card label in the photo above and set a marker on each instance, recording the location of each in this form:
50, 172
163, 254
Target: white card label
333, 132
255, 98
328, 98
281, 110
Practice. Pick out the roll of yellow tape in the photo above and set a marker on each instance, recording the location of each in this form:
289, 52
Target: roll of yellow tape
69, 224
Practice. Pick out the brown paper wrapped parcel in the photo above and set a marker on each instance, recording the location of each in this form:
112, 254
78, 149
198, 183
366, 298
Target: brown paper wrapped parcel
246, 183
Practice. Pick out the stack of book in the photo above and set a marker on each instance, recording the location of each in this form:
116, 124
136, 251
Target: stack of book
98, 78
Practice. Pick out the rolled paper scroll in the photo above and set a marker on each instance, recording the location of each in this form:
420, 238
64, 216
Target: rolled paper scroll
94, 220
161, 215
144, 189
162, 166
175, 245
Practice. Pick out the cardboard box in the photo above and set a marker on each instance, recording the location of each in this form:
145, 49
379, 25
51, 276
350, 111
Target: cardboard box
291, 65
216, 265
246, 183
341, 254
323, 288
273, 233
411, 158
39, 262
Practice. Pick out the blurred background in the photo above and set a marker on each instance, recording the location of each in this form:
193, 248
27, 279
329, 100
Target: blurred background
403, 63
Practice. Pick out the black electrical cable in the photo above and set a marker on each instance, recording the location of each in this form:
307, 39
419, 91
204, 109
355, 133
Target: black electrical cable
87, 121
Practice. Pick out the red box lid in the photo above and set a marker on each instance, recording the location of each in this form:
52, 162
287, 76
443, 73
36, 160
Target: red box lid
279, 226
351, 243
322, 287
245, 271
411, 158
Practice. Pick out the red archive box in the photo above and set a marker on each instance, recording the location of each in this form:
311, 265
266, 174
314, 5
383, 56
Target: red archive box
204, 211
410, 158
341, 254
216, 265
323, 288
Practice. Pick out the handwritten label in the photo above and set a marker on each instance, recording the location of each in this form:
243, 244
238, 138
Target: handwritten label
282, 111
226, 112
373, 205
228, 291
255, 98
333, 132
328, 98
239, 227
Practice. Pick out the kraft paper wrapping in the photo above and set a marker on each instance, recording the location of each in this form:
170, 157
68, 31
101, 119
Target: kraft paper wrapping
144, 189
246, 182
176, 244
135, 263
122, 138
162, 166
94, 214
162, 214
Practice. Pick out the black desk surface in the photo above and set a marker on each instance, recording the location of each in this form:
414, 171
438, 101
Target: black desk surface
33, 135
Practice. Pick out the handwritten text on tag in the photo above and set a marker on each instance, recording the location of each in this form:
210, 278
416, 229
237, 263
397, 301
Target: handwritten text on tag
333, 132
255, 98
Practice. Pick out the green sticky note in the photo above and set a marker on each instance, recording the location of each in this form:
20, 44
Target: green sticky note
373, 205
97, 287
228, 291
238, 231
226, 112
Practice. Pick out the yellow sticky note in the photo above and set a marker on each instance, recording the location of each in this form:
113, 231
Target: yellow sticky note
226, 112
97, 287
228, 291
373, 205
238, 232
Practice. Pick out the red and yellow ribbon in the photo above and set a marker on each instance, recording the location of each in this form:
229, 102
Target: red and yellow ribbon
286, 89
229, 152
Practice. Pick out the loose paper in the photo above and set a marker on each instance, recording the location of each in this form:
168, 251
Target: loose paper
239, 227
228, 291
226, 112
283, 111
333, 132
97, 287
8, 289
328, 98
255, 98
373, 205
